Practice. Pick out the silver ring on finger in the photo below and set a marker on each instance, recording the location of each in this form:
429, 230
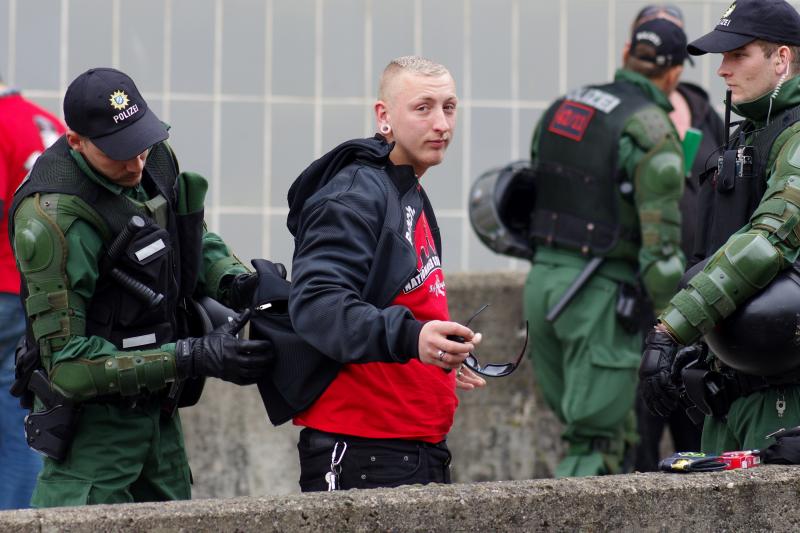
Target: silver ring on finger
459, 372
442, 353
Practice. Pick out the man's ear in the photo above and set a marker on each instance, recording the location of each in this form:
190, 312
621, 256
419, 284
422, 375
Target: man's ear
381, 112
75, 141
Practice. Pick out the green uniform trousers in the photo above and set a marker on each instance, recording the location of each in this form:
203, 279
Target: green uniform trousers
750, 419
585, 365
120, 454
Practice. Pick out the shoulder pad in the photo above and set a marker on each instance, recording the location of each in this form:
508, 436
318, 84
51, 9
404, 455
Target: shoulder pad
649, 126
789, 148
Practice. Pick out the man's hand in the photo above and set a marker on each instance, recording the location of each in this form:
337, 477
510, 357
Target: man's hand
436, 349
659, 391
220, 354
466, 379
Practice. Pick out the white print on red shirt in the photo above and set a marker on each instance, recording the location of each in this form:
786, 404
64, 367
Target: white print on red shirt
428, 262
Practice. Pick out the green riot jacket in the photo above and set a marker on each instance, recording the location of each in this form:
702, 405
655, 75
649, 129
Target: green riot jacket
82, 366
755, 254
652, 166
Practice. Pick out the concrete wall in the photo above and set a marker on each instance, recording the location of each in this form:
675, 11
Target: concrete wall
760, 499
502, 432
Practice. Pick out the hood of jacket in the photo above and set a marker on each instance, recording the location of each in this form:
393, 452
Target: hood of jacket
320, 172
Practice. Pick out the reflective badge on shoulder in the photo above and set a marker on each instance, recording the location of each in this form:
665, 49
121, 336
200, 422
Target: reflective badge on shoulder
571, 120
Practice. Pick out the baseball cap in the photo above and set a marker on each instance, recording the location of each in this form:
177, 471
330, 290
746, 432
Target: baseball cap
104, 105
668, 11
659, 41
747, 20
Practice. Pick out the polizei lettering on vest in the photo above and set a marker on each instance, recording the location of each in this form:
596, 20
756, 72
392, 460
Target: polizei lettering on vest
132, 110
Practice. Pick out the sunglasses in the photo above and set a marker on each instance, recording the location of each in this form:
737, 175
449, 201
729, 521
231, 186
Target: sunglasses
492, 370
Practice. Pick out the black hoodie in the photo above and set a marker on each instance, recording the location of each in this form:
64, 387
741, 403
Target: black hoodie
350, 212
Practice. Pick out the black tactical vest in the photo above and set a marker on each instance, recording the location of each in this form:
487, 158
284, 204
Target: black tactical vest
727, 199
166, 258
577, 179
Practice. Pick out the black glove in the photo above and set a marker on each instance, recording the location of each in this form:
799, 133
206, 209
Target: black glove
659, 391
241, 290
786, 450
221, 355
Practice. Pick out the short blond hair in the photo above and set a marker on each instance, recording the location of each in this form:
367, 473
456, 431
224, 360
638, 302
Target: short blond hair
411, 64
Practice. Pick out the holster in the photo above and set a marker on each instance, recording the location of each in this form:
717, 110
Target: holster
714, 392
51, 431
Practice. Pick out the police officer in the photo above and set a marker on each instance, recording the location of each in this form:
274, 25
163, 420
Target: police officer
750, 234
110, 241
609, 176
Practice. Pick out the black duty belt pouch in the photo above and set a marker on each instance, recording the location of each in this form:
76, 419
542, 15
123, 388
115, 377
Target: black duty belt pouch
27, 361
299, 373
629, 308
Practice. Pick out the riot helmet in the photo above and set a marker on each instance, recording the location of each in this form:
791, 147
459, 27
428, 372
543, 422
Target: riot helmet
500, 204
762, 337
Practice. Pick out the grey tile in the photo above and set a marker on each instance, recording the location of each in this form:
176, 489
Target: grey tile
38, 34
527, 122
450, 228
241, 153
293, 43
392, 35
587, 42
491, 48
443, 183
491, 139
538, 50
444, 42
141, 44
192, 46
281, 242
4, 29
51, 104
482, 259
90, 38
343, 48
191, 136
242, 233
343, 122
292, 147
244, 26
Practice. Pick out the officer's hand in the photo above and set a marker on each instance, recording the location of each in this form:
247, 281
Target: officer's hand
242, 289
659, 391
221, 355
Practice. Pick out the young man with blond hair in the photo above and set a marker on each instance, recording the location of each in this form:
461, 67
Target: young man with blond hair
369, 293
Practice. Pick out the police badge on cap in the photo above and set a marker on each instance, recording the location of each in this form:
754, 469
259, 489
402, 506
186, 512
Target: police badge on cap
104, 105
744, 21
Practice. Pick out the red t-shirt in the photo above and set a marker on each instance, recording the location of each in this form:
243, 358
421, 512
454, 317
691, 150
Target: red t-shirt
392, 400
26, 130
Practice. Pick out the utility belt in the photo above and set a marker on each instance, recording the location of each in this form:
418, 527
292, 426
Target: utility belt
712, 392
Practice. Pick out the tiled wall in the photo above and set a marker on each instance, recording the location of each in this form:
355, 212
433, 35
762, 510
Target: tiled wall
256, 89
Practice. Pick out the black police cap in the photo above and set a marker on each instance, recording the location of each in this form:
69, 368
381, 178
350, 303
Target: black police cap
744, 21
104, 105
659, 41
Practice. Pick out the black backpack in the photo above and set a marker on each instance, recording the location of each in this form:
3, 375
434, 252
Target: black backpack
299, 373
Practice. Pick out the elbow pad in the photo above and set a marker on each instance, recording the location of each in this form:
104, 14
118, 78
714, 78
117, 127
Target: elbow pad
661, 279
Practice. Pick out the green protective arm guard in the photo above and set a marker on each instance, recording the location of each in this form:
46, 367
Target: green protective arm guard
659, 184
127, 373
748, 262
661, 279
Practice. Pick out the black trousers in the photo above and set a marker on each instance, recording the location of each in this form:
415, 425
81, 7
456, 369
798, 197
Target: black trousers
370, 463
